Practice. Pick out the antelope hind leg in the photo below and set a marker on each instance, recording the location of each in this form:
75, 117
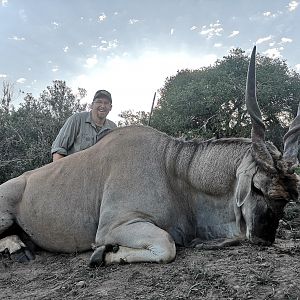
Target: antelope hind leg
16, 249
10, 194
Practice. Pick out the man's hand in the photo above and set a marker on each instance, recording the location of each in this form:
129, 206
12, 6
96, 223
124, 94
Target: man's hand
57, 156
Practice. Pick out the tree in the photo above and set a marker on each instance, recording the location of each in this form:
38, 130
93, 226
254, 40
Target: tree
6, 130
210, 101
7, 95
27, 133
131, 118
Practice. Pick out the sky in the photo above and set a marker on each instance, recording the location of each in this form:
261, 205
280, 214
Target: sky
130, 47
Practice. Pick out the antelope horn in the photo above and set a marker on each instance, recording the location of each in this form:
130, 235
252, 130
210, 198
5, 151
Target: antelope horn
259, 147
291, 140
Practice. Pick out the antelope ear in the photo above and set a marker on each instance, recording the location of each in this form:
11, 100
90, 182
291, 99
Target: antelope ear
245, 173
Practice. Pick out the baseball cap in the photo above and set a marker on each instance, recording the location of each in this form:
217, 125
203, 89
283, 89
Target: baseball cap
102, 93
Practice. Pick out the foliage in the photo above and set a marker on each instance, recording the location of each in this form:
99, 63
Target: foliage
27, 133
209, 102
206, 102
131, 118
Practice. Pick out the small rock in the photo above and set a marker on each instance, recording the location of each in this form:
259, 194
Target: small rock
80, 284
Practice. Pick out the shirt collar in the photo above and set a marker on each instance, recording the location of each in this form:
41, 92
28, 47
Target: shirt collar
90, 120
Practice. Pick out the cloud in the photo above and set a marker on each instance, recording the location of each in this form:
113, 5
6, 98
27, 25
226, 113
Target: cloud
297, 67
55, 24
234, 33
293, 5
16, 38
285, 40
105, 46
211, 30
135, 89
218, 45
102, 17
269, 14
3, 75
264, 39
193, 28
4, 3
91, 62
171, 31
133, 21
23, 15
55, 69
21, 80
66, 49
273, 52
265, 16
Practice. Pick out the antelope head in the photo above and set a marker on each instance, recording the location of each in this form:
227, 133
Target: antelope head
271, 180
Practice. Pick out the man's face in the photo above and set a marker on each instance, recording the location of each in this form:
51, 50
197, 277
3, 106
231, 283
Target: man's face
101, 107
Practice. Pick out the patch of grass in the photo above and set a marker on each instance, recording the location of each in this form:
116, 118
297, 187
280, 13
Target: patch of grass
297, 170
208, 284
292, 211
264, 276
289, 226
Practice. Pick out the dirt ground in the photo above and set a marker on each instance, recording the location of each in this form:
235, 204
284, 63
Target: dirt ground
240, 272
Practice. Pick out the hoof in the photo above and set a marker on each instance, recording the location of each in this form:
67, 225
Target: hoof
97, 258
23, 255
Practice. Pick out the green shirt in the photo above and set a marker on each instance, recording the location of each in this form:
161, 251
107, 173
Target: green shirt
78, 133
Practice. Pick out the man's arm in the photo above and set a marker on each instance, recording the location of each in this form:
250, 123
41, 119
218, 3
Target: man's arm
65, 138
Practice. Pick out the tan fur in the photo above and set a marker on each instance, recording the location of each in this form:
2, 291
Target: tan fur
133, 177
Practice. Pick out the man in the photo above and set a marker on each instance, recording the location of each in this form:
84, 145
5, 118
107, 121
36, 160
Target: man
83, 130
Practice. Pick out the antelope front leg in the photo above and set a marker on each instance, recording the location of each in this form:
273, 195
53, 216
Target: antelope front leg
135, 242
